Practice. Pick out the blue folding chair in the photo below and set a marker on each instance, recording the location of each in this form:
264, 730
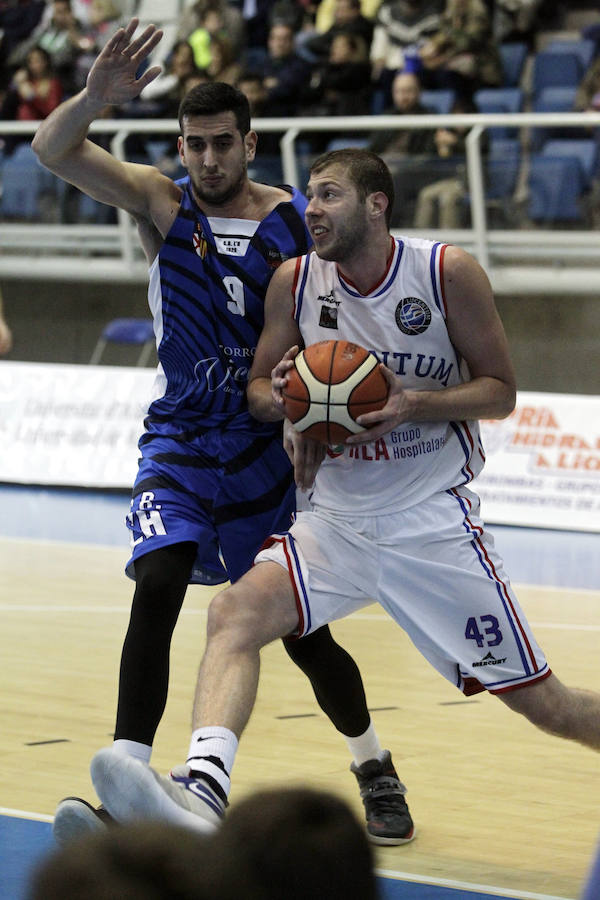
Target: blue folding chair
135, 331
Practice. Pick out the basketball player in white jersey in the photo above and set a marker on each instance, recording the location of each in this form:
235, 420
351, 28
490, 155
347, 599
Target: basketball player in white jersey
392, 518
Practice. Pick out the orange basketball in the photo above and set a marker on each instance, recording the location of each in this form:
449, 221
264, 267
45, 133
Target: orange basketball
331, 384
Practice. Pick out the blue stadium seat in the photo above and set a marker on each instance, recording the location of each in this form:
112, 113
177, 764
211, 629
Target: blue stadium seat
438, 101
553, 99
556, 188
23, 180
135, 331
513, 55
502, 168
555, 69
500, 100
584, 49
585, 150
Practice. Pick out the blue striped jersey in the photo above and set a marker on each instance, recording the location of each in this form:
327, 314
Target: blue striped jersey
206, 293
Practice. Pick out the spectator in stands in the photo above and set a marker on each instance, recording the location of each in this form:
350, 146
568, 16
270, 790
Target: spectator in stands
34, 92
285, 74
342, 85
326, 9
400, 27
348, 19
17, 22
251, 84
230, 22
395, 143
440, 203
62, 37
463, 54
161, 98
587, 98
223, 65
5, 332
515, 20
103, 18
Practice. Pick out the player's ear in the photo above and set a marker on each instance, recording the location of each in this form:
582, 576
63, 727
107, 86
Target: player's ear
377, 204
250, 142
181, 150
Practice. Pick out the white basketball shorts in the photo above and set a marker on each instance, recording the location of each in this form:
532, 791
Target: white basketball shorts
433, 568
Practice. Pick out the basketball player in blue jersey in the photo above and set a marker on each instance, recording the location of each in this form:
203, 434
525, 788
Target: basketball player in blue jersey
212, 479
392, 517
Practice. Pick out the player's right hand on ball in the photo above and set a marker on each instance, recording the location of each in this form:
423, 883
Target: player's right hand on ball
279, 376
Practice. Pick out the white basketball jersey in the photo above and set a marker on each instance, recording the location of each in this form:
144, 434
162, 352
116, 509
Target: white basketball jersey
403, 321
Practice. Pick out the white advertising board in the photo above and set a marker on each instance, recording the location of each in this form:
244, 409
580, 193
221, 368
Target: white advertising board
79, 426
71, 425
543, 463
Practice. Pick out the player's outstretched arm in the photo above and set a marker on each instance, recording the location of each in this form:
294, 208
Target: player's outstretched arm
61, 140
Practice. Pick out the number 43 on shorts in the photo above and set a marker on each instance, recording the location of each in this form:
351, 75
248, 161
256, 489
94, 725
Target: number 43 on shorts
490, 626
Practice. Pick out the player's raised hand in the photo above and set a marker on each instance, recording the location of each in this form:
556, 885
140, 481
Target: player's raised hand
279, 375
112, 78
306, 455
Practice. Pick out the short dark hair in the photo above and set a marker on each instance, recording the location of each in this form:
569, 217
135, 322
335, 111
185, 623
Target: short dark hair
213, 98
367, 171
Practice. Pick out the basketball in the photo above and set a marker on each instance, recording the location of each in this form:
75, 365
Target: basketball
331, 384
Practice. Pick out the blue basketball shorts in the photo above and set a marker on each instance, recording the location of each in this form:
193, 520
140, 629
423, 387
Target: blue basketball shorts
433, 567
225, 491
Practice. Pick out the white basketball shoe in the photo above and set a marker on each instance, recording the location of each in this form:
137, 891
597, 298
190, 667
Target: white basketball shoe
131, 790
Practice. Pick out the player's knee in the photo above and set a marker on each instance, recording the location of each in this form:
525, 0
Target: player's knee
233, 618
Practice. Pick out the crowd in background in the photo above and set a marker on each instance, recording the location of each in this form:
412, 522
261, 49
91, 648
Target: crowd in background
293, 57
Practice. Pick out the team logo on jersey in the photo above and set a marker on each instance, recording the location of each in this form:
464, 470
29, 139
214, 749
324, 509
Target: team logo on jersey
413, 316
329, 310
199, 241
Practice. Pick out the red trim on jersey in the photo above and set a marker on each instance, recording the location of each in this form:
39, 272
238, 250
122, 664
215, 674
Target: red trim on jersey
268, 542
295, 283
516, 619
381, 280
522, 684
443, 249
465, 428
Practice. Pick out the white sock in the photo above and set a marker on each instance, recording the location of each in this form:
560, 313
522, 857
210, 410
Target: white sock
365, 746
220, 744
139, 751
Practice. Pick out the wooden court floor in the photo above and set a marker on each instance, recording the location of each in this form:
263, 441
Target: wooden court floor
495, 802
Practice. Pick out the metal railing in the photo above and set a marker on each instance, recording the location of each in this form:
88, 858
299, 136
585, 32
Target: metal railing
528, 260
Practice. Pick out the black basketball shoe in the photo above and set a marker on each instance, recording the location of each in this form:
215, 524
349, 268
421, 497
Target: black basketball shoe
382, 792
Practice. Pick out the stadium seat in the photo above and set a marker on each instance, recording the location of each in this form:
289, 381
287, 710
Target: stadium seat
584, 49
553, 99
24, 180
135, 331
513, 56
556, 187
438, 101
500, 100
585, 150
502, 168
555, 69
